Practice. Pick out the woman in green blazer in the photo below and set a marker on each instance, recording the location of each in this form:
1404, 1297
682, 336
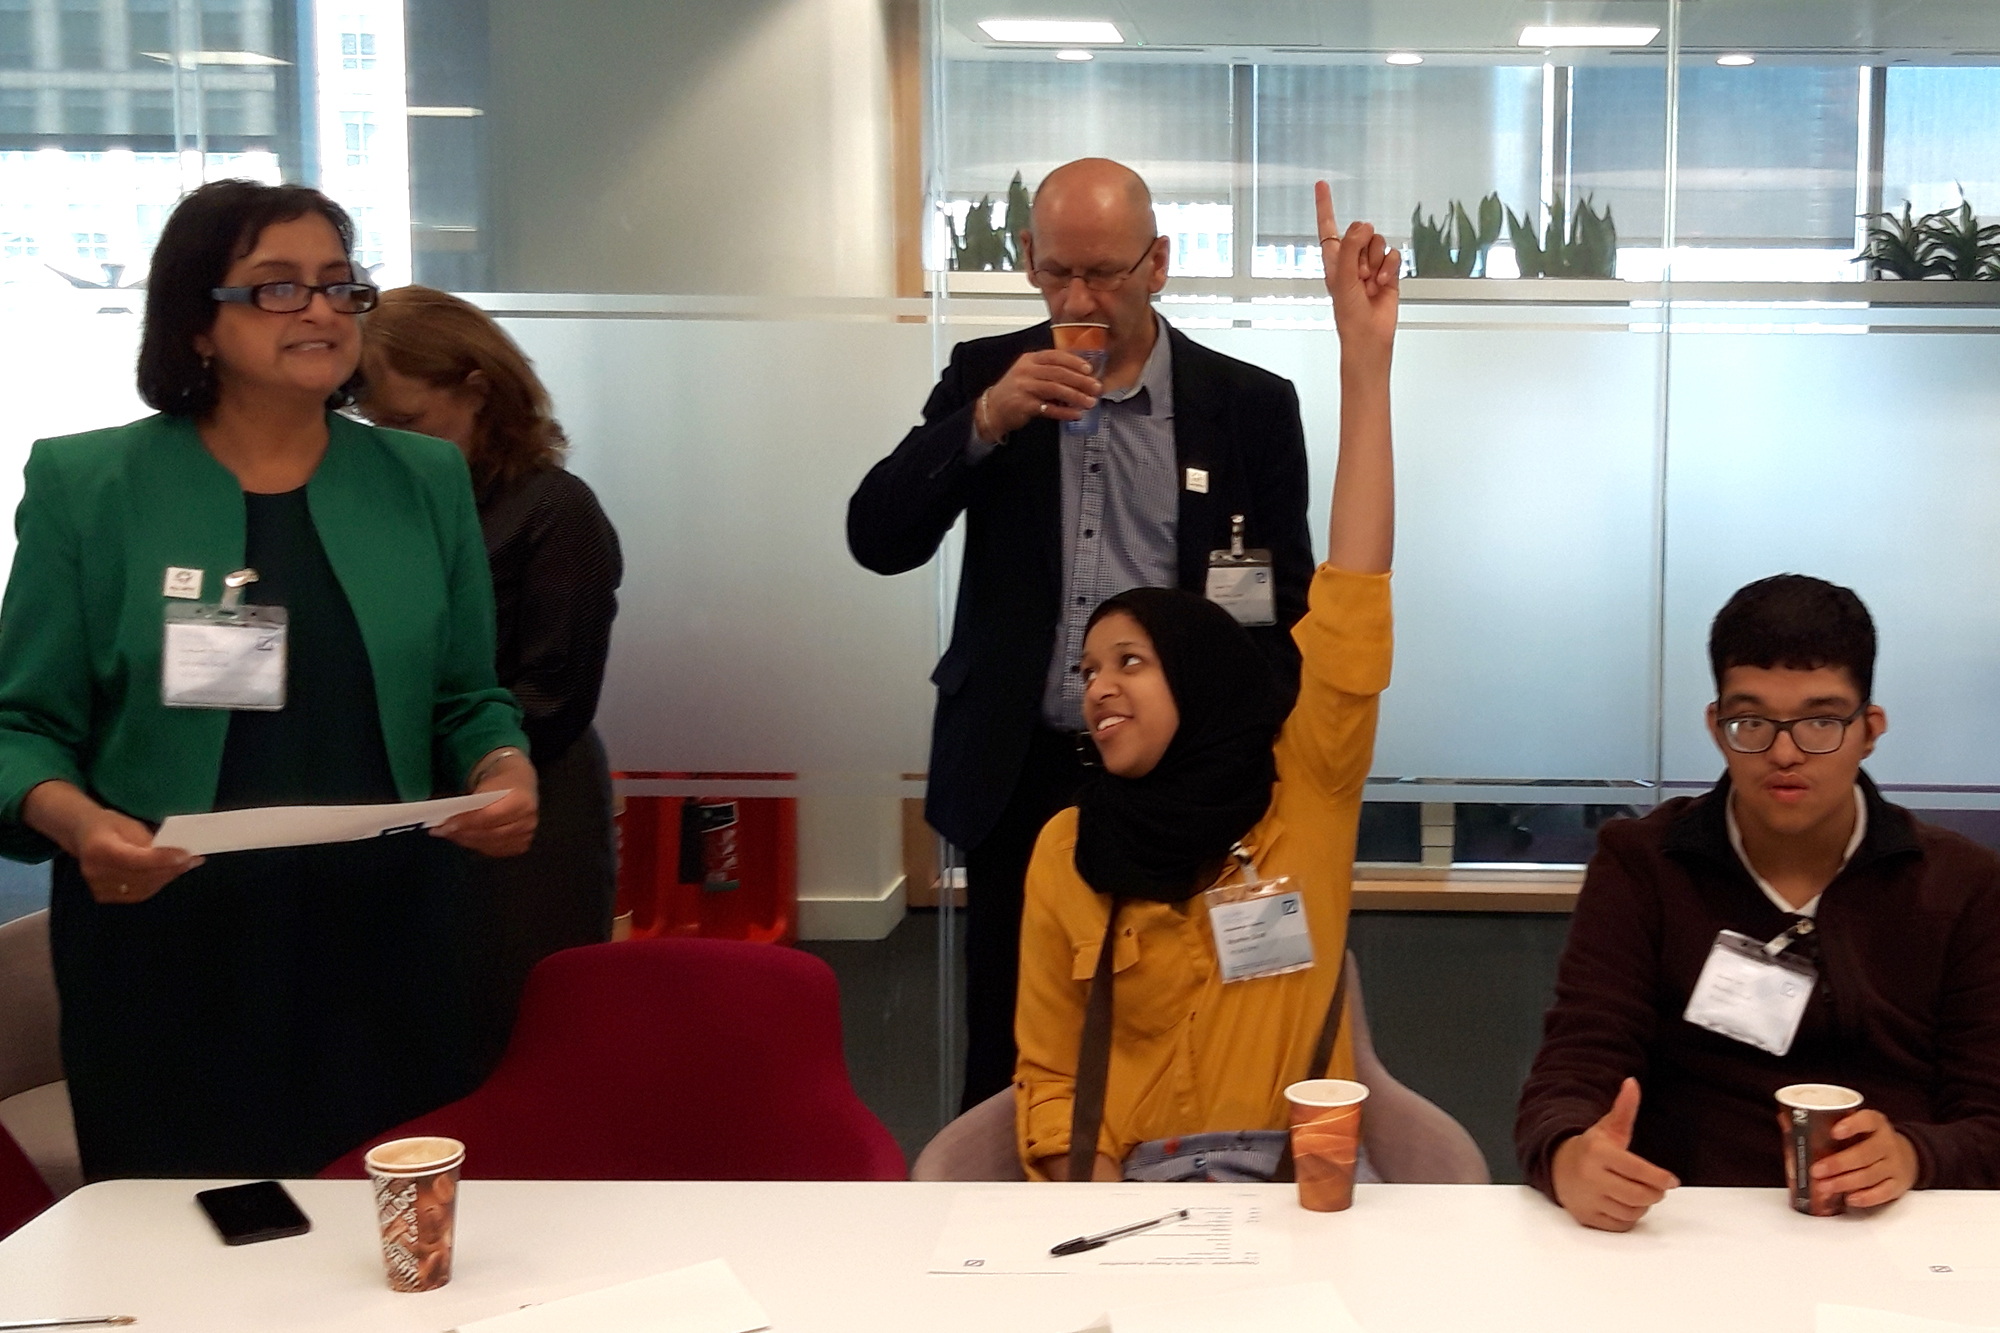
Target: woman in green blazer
251, 1013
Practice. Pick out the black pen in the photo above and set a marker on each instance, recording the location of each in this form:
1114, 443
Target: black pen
1082, 1243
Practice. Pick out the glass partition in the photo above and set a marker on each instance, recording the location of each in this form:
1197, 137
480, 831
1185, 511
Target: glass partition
1644, 358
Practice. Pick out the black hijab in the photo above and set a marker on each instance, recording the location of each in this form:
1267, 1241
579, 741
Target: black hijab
1151, 837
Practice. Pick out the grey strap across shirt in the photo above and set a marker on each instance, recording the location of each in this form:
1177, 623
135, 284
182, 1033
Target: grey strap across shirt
1120, 515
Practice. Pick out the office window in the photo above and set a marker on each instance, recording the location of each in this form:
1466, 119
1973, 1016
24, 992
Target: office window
1387, 140
17, 35
91, 246
1170, 122
17, 110
1941, 137
149, 25
80, 29
357, 130
357, 43
83, 111
221, 27
228, 114
153, 112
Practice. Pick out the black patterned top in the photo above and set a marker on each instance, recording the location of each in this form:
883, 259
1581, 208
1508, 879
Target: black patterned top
556, 570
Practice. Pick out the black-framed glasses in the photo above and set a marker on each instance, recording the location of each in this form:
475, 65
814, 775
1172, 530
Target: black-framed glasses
1055, 279
288, 298
1813, 735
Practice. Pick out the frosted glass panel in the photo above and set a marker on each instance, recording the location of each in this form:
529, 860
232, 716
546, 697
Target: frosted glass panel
724, 451
1869, 460
1525, 501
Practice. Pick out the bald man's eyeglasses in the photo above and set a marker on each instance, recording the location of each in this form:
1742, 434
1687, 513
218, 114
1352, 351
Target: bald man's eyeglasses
1053, 280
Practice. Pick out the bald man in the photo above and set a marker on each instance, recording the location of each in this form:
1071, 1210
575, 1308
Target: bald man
1059, 519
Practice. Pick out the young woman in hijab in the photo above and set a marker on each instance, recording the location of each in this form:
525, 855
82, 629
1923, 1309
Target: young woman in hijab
1204, 783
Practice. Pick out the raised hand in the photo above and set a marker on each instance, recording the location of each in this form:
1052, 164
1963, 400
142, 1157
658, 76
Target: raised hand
1599, 1180
1363, 276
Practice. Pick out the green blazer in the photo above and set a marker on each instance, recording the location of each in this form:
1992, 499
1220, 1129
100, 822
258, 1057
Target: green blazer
105, 514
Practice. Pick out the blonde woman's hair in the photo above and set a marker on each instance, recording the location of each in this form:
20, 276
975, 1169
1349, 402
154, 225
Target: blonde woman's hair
439, 339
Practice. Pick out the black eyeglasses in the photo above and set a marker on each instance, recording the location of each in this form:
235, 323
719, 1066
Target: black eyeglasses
1055, 279
1813, 735
287, 298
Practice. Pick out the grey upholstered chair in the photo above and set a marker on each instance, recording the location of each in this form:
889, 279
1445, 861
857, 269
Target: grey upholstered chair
1405, 1138
34, 1100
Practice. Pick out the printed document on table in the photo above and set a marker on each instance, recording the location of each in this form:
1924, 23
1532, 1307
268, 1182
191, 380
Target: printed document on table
1941, 1236
303, 825
706, 1298
1306, 1307
1011, 1231
1859, 1319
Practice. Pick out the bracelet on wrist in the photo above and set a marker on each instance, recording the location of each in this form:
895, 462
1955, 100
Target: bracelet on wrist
484, 768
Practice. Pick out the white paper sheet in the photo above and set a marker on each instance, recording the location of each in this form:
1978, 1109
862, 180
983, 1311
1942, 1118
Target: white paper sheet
1011, 1231
1941, 1236
1859, 1319
706, 1298
1307, 1307
303, 825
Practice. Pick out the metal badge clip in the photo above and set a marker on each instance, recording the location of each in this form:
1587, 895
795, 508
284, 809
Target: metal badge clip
1236, 536
233, 586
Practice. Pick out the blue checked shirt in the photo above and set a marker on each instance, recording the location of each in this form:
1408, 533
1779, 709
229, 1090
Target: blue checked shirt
1120, 516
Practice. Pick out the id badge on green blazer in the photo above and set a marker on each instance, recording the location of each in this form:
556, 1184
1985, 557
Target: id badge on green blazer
225, 655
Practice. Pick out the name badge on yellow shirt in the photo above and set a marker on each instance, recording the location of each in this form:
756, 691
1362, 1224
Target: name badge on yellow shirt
226, 656
1260, 929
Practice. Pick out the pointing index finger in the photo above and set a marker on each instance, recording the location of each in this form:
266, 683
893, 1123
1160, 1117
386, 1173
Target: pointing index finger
1329, 228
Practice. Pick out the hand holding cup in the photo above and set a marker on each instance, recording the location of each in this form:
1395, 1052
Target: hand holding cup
1053, 384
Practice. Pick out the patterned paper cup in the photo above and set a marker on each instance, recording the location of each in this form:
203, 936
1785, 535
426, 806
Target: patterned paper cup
1807, 1113
1081, 338
1326, 1139
416, 1202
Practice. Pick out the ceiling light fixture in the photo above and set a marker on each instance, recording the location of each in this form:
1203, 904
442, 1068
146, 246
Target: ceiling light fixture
1588, 35
1736, 61
1074, 53
1054, 32
1404, 58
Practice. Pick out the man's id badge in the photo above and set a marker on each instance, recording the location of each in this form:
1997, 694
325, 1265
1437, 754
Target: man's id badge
224, 656
1260, 929
1239, 581
1751, 992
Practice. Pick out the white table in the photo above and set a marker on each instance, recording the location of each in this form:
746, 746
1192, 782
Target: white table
839, 1257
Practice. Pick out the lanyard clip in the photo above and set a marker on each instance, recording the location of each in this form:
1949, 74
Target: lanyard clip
233, 586
1784, 939
1244, 863
1236, 536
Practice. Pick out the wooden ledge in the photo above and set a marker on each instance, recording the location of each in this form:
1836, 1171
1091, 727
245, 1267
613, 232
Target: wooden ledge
1409, 888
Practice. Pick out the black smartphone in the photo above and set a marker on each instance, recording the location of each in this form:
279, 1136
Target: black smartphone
244, 1214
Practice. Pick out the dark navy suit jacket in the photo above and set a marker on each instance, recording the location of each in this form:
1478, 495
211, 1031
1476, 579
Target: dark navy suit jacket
1232, 420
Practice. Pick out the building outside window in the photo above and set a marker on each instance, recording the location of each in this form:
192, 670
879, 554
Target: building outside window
80, 30
357, 44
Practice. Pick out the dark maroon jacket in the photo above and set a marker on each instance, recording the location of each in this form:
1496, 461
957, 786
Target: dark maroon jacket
1907, 1010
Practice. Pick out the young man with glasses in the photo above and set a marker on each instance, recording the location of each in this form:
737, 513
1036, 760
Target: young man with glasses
1059, 518
1887, 931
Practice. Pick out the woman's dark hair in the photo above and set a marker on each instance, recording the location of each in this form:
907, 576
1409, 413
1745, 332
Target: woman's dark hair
208, 231
1797, 622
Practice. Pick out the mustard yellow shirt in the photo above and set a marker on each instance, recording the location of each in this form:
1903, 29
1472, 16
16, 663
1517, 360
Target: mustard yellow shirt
1188, 1053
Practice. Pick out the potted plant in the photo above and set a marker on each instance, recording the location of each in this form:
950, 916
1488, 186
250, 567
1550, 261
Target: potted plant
1458, 248
1584, 245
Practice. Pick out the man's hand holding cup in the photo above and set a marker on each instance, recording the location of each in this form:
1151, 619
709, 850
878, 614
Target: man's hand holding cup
1052, 384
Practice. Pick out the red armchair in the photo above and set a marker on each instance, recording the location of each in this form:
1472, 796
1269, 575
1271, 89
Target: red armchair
668, 1059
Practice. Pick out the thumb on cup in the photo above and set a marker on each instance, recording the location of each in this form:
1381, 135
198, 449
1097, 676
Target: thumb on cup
1618, 1121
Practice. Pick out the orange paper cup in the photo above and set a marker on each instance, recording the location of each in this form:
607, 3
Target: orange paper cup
1326, 1140
1081, 337
416, 1203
